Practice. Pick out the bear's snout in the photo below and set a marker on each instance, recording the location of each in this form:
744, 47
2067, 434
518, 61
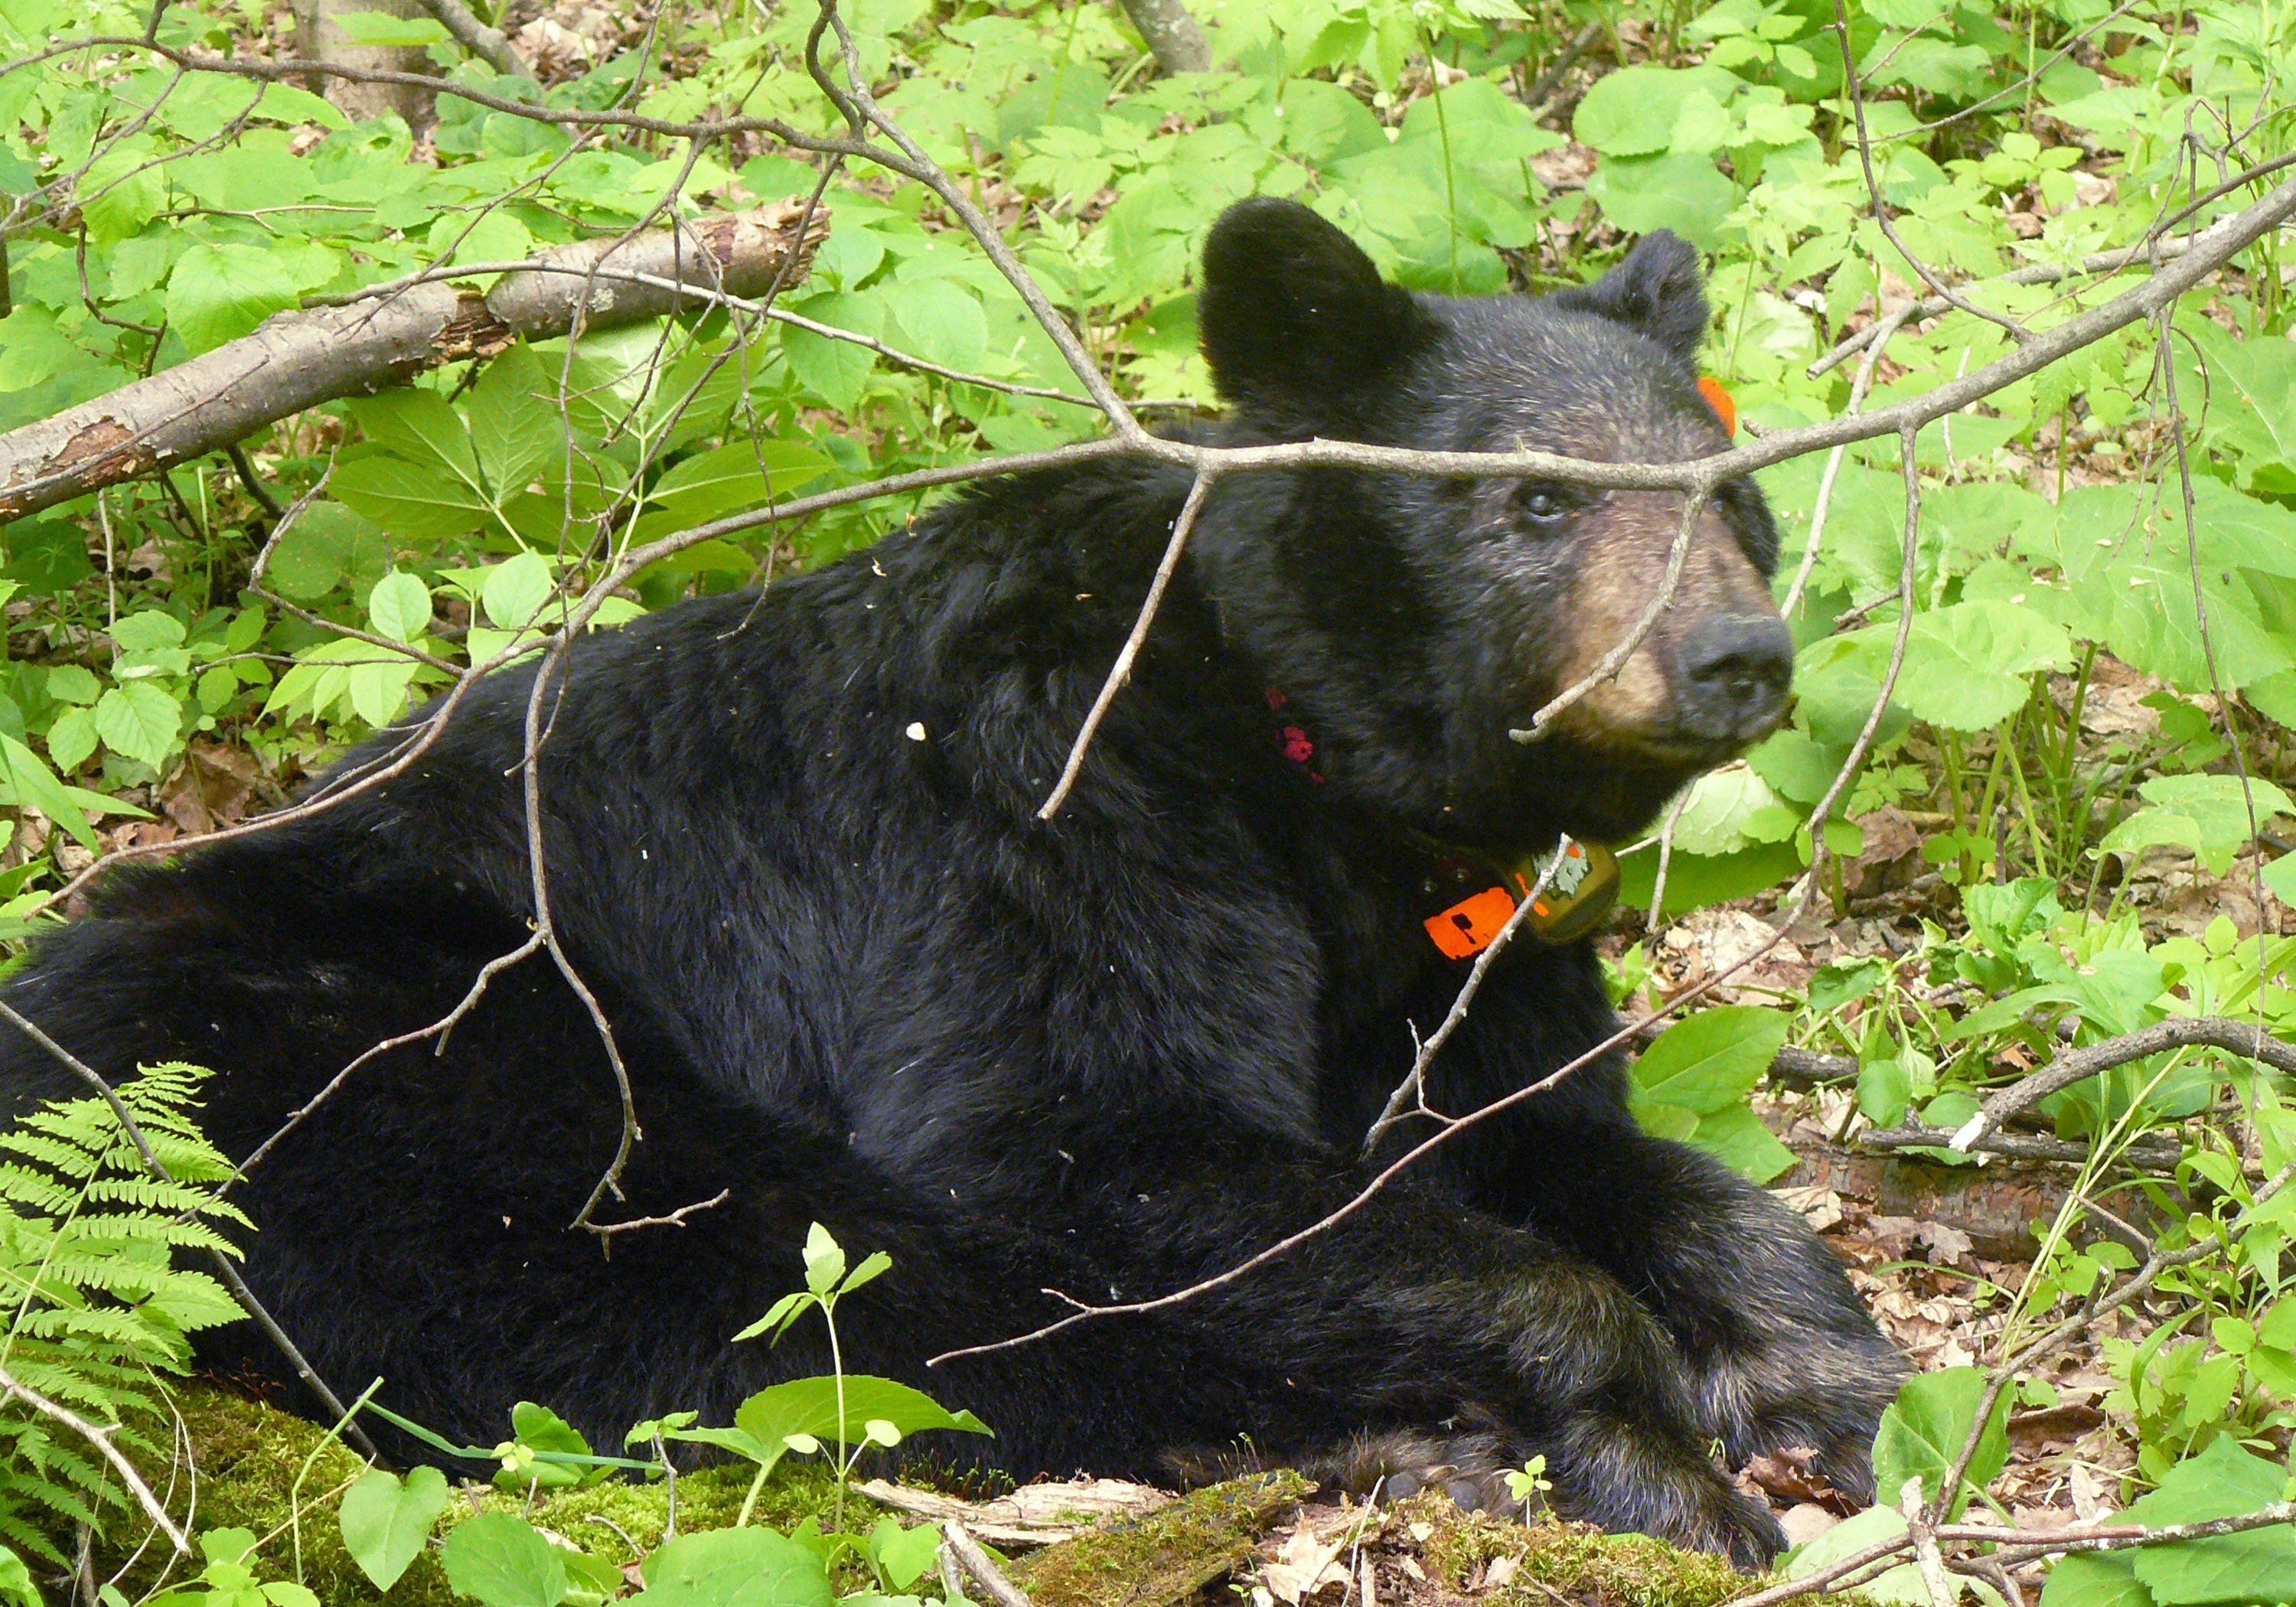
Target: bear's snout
1731, 672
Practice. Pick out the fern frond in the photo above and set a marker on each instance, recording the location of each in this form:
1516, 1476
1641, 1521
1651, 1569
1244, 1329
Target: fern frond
95, 1305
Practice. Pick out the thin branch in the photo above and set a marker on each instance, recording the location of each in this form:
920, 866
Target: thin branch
2180, 1032
490, 45
13, 1389
1881, 208
1415, 1081
1121, 670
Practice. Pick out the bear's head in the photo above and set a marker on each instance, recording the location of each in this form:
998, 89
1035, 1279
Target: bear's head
1413, 621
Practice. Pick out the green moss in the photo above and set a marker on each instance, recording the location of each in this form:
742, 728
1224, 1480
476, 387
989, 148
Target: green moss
1576, 1561
246, 1457
1166, 1557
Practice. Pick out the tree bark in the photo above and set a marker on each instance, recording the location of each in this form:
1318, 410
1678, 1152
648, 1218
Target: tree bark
1171, 35
319, 38
297, 360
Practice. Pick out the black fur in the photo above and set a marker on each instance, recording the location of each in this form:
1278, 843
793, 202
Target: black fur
855, 980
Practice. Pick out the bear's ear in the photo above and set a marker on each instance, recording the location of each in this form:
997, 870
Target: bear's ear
1293, 313
1658, 291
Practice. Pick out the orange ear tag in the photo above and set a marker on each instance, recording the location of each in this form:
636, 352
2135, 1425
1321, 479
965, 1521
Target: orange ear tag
1467, 927
1719, 400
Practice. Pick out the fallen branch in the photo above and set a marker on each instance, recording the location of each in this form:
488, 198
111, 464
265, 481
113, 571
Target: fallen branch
298, 360
976, 1563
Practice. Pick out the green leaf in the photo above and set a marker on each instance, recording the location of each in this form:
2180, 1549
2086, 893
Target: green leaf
2103, 1578
1709, 1062
1923, 1430
419, 426
515, 590
514, 423
380, 28
421, 502
1678, 190
2208, 814
73, 683
1966, 665
1736, 1137
824, 1261
503, 1562
943, 321
1632, 112
137, 720
1726, 810
16, 1585
147, 631
2222, 1481
735, 1568
740, 474
384, 1522
220, 292
399, 606
329, 545
808, 1405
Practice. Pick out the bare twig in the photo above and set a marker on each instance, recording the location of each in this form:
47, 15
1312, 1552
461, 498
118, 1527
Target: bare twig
101, 1439
1121, 670
1415, 1081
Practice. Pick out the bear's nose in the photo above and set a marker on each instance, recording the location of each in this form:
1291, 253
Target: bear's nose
1733, 674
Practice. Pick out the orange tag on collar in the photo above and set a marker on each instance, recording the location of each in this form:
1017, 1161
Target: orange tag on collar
1719, 400
1468, 927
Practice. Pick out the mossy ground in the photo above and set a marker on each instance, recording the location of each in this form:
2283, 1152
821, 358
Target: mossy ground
254, 1468
1572, 1561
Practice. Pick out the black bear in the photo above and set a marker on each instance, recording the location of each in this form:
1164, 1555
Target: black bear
792, 848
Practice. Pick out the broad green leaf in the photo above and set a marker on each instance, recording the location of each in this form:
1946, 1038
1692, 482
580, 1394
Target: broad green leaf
1735, 1136
515, 425
399, 606
740, 474
1685, 192
503, 1562
121, 192
137, 720
2208, 815
1709, 1062
419, 426
2106, 1579
385, 1522
1633, 112
1726, 810
1923, 1430
380, 28
942, 321
824, 1259
72, 683
808, 1405
515, 590
422, 502
220, 292
735, 1568
2222, 1481
328, 546
147, 630
1966, 665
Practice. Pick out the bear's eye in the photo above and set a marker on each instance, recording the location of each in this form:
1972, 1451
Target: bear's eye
1542, 503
